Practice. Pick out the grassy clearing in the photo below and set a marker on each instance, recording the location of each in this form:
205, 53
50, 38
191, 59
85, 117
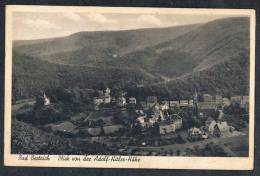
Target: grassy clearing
23, 105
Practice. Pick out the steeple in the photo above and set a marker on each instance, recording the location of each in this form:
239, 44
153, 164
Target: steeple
46, 100
195, 102
195, 98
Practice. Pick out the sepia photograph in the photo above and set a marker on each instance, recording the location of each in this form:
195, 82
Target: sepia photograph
129, 87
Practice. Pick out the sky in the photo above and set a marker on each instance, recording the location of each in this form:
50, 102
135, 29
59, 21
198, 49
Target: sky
38, 25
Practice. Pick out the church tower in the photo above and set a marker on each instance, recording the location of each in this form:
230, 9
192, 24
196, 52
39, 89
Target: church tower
195, 102
195, 97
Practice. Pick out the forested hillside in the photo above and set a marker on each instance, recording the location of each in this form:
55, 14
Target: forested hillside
31, 75
29, 139
212, 57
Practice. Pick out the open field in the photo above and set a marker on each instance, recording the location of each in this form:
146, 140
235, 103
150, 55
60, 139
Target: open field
23, 105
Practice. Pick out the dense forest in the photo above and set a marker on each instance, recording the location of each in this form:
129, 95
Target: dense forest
32, 140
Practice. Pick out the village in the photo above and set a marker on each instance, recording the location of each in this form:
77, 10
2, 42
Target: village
165, 113
125, 124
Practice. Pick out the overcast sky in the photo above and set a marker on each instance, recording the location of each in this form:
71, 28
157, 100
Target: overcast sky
35, 25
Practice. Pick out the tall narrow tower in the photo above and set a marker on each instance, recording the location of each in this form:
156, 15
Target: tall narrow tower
195, 102
195, 98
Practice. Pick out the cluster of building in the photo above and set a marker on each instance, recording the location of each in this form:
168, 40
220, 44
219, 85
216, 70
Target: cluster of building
215, 127
161, 114
208, 102
156, 113
167, 123
148, 112
103, 97
165, 105
212, 128
152, 111
211, 102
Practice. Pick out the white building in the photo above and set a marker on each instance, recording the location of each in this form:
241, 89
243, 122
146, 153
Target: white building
226, 101
121, 101
132, 100
219, 100
107, 91
97, 100
184, 103
174, 104
46, 100
191, 102
207, 98
164, 105
106, 99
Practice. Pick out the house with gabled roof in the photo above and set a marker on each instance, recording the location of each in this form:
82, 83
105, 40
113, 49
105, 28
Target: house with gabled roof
219, 128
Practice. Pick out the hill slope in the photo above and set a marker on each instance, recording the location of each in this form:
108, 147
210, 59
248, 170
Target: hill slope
147, 55
29, 139
93, 47
30, 75
201, 48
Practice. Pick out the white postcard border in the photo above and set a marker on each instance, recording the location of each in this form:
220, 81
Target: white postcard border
155, 162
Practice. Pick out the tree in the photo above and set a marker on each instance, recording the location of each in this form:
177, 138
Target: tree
100, 122
178, 152
102, 131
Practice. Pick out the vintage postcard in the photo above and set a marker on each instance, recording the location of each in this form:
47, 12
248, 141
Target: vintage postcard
106, 87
